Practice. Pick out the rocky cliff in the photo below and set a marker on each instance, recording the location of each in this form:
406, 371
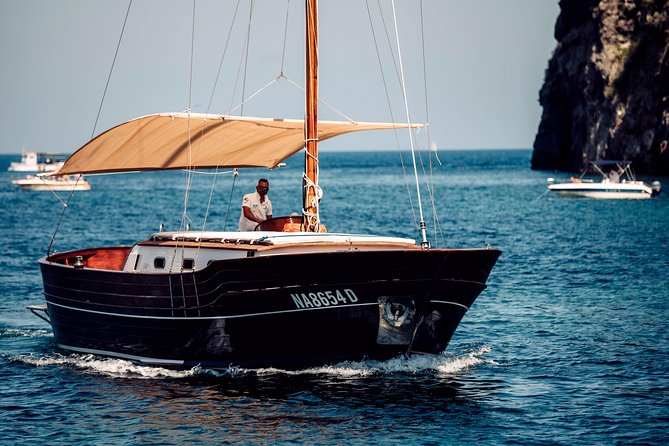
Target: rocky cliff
606, 88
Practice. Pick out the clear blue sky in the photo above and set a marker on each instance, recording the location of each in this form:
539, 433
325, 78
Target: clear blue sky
485, 65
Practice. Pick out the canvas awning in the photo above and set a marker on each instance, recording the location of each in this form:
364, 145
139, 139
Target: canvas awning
161, 142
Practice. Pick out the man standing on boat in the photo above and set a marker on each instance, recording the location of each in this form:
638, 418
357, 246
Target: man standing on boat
256, 207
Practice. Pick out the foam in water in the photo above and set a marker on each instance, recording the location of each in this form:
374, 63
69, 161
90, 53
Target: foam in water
25, 333
119, 368
441, 364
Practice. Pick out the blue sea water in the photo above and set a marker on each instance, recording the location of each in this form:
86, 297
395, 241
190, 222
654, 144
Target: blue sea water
568, 345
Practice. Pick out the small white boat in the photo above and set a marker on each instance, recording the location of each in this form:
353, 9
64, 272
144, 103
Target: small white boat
58, 182
618, 181
36, 162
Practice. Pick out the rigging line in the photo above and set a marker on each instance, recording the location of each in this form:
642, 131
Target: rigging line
427, 109
428, 179
189, 175
320, 101
241, 64
285, 37
225, 172
241, 105
54, 192
111, 70
62, 214
246, 55
211, 99
542, 195
184, 225
192, 52
211, 195
183, 290
424, 242
390, 45
225, 51
390, 108
435, 215
95, 125
197, 296
232, 189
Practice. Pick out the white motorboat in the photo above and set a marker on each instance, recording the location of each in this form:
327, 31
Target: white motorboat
54, 183
36, 162
617, 181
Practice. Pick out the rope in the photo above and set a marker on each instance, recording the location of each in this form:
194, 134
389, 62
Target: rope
320, 101
244, 101
185, 220
435, 214
225, 51
216, 172
241, 61
285, 37
542, 195
211, 195
199, 172
390, 109
232, 189
313, 219
246, 55
189, 176
95, 125
118, 45
424, 241
62, 214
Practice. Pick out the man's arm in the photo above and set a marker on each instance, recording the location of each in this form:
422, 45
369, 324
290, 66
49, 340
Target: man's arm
248, 214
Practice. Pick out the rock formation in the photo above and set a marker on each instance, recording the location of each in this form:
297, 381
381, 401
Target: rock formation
606, 89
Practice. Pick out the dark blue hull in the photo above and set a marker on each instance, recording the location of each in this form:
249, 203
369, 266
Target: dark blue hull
266, 311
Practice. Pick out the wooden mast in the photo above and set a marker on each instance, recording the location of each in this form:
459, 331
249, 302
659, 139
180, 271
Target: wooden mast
311, 195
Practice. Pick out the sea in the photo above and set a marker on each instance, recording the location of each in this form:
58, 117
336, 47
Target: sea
569, 344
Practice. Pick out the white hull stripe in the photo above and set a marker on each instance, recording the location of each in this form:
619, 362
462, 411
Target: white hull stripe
152, 361
185, 318
450, 303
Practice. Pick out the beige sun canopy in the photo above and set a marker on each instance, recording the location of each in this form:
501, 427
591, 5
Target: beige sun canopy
200, 141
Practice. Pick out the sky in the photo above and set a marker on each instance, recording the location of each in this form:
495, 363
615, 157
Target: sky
484, 65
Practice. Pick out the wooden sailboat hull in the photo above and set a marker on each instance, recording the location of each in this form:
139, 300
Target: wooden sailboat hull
281, 310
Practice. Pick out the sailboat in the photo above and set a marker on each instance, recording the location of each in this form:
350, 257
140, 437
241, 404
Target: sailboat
267, 298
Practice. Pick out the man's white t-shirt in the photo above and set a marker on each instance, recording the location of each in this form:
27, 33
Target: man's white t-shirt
258, 209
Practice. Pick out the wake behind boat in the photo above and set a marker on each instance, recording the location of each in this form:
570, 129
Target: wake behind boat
286, 295
617, 181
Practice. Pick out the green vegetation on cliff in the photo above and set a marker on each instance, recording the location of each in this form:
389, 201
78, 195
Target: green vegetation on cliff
606, 88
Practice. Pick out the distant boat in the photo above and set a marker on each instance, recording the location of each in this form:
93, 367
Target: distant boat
58, 182
617, 181
36, 162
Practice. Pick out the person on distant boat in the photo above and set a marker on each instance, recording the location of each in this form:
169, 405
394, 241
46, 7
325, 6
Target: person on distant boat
256, 207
